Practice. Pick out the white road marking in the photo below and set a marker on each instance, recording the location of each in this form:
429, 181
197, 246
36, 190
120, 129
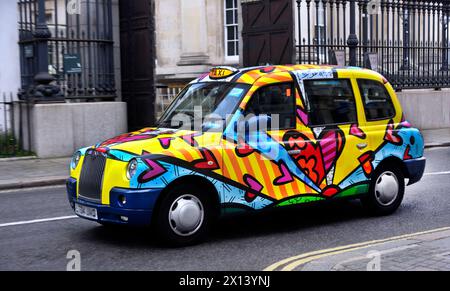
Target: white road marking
437, 173
37, 221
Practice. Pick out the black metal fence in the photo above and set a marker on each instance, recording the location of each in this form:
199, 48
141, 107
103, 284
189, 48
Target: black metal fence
79, 45
15, 138
407, 41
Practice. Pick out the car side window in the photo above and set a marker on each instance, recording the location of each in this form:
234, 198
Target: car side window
275, 100
376, 99
330, 101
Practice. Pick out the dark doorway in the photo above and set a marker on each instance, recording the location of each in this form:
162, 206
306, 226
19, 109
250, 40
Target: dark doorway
137, 41
268, 32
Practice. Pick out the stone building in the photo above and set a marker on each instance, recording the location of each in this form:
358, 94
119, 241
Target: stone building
192, 36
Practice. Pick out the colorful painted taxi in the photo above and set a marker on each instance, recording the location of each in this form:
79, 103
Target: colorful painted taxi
251, 139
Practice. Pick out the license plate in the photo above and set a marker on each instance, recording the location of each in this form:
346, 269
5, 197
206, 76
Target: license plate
85, 211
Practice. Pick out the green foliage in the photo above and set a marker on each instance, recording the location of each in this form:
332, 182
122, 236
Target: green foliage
9, 147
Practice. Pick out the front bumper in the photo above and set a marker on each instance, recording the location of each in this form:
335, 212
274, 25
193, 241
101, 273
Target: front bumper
415, 169
137, 210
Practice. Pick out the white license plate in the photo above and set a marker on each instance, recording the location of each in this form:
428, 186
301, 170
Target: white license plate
85, 211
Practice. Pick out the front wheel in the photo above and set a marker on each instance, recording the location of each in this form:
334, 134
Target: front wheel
386, 191
184, 216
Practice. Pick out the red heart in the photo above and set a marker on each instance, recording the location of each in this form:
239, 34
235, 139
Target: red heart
315, 158
310, 157
243, 149
208, 162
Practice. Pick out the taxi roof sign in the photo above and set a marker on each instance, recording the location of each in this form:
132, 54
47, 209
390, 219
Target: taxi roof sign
222, 72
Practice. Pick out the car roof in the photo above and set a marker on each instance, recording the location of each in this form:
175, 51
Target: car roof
251, 75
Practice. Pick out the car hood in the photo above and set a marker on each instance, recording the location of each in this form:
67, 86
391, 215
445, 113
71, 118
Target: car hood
158, 141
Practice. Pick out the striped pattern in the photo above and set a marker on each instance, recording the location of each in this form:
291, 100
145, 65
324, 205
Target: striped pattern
264, 170
328, 145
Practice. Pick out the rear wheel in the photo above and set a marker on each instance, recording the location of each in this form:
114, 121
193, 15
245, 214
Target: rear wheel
386, 191
184, 216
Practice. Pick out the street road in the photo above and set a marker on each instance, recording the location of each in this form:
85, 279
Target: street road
250, 242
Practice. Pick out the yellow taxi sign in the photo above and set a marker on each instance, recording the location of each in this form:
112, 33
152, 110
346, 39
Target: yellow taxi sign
222, 72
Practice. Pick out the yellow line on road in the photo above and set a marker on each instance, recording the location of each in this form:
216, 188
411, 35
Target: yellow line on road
293, 262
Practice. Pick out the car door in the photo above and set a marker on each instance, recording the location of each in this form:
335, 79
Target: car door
254, 158
382, 116
330, 138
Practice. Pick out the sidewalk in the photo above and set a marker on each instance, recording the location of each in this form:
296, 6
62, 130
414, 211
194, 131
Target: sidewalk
426, 251
33, 172
436, 137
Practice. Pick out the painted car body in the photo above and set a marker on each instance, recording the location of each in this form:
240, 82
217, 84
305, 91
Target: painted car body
247, 175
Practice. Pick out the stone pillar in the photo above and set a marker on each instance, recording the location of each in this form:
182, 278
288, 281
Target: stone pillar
194, 45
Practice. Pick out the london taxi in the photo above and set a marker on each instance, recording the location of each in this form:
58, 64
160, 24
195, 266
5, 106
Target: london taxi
267, 137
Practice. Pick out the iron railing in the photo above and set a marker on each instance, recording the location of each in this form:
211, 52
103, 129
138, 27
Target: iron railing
407, 41
79, 47
15, 138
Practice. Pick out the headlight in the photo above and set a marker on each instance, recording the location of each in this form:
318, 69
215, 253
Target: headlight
75, 160
131, 168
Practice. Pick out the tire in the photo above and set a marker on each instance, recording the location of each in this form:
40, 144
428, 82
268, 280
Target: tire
386, 191
181, 228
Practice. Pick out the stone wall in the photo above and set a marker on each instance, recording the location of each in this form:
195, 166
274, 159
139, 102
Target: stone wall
426, 109
58, 130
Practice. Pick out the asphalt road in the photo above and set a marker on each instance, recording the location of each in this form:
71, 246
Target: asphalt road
250, 242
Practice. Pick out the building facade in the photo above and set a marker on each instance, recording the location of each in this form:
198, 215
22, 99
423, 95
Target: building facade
134, 56
192, 36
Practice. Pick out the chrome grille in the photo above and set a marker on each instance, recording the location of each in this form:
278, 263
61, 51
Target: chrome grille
91, 176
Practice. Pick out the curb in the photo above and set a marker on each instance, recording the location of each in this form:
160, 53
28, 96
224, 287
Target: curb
54, 181
15, 159
299, 262
437, 145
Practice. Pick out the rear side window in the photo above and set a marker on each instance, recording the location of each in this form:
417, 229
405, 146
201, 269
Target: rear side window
376, 99
275, 100
330, 101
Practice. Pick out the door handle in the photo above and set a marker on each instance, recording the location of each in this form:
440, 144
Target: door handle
295, 152
361, 146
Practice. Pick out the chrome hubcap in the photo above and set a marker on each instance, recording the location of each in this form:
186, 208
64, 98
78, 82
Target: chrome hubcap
186, 215
386, 188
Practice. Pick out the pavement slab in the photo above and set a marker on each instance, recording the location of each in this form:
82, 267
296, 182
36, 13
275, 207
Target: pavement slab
421, 252
33, 172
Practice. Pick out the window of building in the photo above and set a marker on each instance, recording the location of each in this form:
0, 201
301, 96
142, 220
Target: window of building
330, 102
231, 30
377, 101
275, 101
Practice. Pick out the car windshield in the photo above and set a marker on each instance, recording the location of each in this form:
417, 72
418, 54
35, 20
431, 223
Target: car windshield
203, 106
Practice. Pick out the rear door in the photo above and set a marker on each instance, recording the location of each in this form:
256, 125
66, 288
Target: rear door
333, 151
381, 115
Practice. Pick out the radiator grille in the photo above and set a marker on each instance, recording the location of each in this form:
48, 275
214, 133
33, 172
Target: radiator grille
92, 175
